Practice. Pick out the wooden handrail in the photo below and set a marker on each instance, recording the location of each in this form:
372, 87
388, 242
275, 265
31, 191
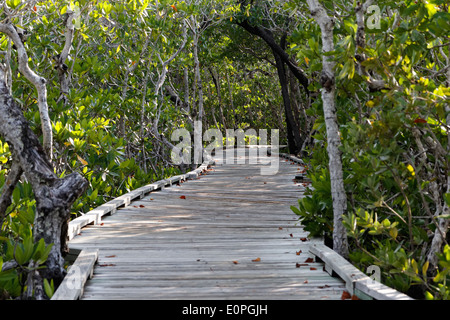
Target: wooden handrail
94, 216
357, 283
78, 273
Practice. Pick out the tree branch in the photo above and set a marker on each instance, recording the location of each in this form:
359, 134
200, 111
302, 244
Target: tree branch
38, 82
267, 36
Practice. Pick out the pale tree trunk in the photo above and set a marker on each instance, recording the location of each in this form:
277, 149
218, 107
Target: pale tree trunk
38, 82
443, 223
326, 23
198, 79
159, 84
186, 90
60, 59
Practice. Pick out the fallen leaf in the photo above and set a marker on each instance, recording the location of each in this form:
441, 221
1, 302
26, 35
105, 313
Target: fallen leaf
298, 252
298, 265
257, 260
280, 228
235, 262
151, 199
113, 256
106, 265
183, 197
312, 268
309, 260
304, 239
291, 235
141, 206
306, 281
345, 295
354, 297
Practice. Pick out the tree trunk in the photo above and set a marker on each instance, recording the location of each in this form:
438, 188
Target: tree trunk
443, 223
293, 132
54, 196
340, 242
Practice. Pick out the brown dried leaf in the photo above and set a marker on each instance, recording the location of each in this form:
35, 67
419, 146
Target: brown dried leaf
345, 295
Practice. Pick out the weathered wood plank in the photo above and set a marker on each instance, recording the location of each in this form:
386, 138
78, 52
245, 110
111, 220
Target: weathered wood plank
356, 281
79, 272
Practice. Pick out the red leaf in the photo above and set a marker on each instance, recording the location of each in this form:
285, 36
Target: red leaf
107, 265
309, 260
174, 8
420, 120
141, 206
298, 252
345, 295
257, 260
113, 256
354, 297
235, 262
183, 197
312, 268
304, 239
291, 235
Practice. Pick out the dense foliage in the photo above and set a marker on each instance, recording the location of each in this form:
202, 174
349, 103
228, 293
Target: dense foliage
395, 142
139, 69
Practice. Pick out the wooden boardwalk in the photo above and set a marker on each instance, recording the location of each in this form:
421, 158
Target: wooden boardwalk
230, 234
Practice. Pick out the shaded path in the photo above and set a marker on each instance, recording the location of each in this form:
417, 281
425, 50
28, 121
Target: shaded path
228, 235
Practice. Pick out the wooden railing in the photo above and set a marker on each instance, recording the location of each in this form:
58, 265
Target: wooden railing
357, 283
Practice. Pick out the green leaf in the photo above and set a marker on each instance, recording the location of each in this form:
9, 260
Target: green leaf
429, 296
16, 196
49, 288
8, 275
425, 269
